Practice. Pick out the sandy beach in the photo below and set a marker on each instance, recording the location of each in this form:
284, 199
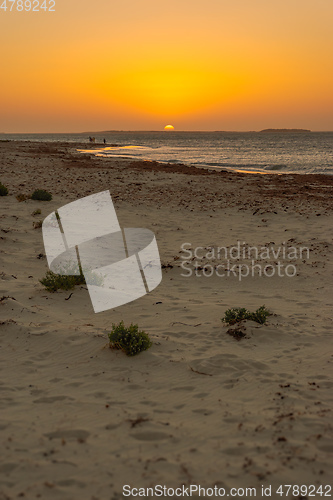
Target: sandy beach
79, 420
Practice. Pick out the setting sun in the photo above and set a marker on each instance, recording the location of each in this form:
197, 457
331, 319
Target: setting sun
169, 127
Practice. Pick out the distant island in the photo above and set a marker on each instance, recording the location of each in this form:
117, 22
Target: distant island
285, 130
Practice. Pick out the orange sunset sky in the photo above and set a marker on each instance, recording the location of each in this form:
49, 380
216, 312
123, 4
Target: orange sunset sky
142, 64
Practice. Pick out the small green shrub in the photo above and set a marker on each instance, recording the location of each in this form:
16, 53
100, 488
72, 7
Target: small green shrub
3, 190
41, 195
37, 212
235, 315
232, 316
54, 282
129, 339
260, 315
67, 279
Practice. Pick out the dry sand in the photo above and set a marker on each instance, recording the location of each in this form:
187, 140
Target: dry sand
79, 420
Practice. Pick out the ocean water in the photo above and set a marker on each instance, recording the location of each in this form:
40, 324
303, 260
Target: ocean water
308, 152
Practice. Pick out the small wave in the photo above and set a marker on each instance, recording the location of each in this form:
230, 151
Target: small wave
173, 161
210, 163
216, 164
276, 167
126, 157
325, 170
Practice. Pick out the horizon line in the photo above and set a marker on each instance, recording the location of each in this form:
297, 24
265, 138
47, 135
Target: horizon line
273, 129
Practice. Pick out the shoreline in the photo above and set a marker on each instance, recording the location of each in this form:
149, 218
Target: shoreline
152, 182
85, 148
202, 167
